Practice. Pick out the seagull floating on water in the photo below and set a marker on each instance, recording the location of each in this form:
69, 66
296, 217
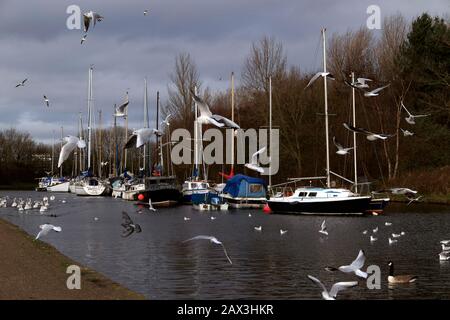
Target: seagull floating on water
373, 239
392, 241
283, 231
258, 228
339, 286
213, 240
388, 224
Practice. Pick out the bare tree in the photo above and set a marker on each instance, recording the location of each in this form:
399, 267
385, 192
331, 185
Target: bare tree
266, 58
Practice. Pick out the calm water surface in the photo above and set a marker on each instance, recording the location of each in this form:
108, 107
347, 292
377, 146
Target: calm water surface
266, 265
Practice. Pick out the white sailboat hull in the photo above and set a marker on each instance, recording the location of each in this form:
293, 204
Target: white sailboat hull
60, 187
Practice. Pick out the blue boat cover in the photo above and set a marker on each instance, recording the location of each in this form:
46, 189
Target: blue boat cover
244, 186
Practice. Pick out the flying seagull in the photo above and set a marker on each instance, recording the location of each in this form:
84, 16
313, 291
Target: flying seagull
206, 116
71, 143
129, 225
339, 286
47, 102
146, 12
166, 120
319, 74
120, 110
407, 133
375, 92
89, 17
150, 205
361, 83
83, 38
411, 117
46, 228
369, 135
21, 84
341, 149
141, 136
354, 267
254, 165
403, 191
213, 240
412, 199
323, 228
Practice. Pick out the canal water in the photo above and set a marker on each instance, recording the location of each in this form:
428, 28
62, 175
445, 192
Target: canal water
266, 264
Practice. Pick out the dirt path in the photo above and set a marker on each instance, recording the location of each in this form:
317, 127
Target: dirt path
35, 270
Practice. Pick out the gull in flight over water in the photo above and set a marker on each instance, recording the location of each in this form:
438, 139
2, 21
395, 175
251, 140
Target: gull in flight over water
150, 205
21, 84
71, 143
339, 286
403, 191
411, 117
212, 240
354, 267
412, 199
317, 75
89, 17
83, 39
341, 149
146, 12
166, 120
47, 102
369, 135
254, 165
207, 117
323, 228
46, 228
141, 137
375, 92
129, 225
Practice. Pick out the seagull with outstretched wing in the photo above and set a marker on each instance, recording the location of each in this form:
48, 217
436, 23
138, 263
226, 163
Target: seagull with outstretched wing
212, 240
91, 17
335, 289
254, 164
71, 143
369, 135
411, 117
128, 225
141, 137
341, 150
22, 83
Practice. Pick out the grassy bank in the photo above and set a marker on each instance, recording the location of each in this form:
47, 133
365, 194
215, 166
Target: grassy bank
35, 270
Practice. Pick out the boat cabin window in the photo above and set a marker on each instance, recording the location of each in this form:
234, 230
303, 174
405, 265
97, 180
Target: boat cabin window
313, 194
204, 185
302, 194
255, 188
185, 185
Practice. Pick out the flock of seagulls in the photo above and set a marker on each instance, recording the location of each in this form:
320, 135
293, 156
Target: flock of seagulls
28, 205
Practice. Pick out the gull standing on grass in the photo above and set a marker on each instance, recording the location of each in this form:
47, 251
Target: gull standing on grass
254, 164
354, 267
207, 117
71, 143
411, 117
212, 240
339, 286
46, 228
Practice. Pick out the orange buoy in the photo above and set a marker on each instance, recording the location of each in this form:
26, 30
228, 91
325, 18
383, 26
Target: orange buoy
140, 197
266, 208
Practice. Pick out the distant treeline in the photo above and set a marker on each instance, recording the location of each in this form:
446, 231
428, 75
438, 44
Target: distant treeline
414, 58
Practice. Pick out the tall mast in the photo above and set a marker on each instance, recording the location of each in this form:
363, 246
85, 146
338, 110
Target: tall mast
53, 149
60, 168
116, 163
270, 128
126, 134
146, 121
89, 117
232, 119
196, 160
159, 143
354, 134
100, 143
326, 108
80, 128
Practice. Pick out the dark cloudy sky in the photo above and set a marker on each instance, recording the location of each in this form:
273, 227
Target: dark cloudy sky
128, 46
